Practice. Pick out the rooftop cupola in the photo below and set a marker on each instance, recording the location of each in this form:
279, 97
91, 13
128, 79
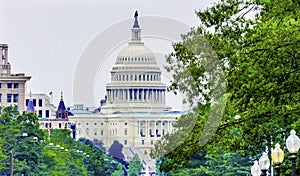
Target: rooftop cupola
136, 30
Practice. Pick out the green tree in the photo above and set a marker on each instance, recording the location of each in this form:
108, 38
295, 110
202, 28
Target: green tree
135, 166
257, 47
32, 154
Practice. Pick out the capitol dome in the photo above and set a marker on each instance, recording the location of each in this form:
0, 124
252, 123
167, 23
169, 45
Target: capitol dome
135, 79
136, 52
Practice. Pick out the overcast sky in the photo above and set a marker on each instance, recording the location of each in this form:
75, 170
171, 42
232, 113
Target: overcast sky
47, 38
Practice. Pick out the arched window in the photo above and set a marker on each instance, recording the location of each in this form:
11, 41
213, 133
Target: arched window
59, 125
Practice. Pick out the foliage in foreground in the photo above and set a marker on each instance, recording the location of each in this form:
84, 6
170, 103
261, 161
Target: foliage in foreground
246, 52
34, 156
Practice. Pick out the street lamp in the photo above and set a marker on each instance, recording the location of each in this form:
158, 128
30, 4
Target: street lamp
293, 145
255, 169
277, 157
11, 156
264, 163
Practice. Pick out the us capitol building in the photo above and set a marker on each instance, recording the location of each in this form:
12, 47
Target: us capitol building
135, 111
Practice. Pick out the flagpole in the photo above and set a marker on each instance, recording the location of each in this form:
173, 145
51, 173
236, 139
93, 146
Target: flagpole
49, 131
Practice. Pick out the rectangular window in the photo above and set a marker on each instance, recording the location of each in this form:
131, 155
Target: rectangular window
16, 98
9, 99
27, 102
0, 85
40, 113
143, 142
102, 132
0, 97
47, 113
40, 102
95, 132
9, 85
16, 85
125, 132
34, 102
125, 142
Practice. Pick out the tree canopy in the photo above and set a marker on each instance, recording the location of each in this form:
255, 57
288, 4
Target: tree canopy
33, 154
247, 52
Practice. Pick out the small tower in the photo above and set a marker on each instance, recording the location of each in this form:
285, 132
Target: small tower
62, 112
12, 85
30, 105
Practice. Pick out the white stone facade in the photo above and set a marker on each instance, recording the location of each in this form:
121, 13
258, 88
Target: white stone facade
12, 85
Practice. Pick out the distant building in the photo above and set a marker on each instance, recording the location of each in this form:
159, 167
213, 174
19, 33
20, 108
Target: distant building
59, 120
12, 85
42, 104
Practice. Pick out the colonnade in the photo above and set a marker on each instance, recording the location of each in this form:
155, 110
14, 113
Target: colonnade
156, 95
154, 128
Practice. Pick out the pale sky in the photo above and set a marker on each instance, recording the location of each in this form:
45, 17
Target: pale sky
47, 38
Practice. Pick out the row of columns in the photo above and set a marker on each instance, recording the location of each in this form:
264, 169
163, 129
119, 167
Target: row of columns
136, 95
144, 128
139, 77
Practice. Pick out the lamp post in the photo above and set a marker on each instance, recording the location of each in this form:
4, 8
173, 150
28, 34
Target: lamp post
277, 157
264, 163
255, 169
293, 145
11, 158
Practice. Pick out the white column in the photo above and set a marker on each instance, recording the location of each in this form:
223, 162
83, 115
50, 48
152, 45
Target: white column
128, 95
147, 128
121, 95
154, 128
160, 96
139, 127
124, 95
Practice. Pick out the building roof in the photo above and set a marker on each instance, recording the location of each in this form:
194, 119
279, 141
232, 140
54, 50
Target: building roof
80, 111
30, 106
61, 106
